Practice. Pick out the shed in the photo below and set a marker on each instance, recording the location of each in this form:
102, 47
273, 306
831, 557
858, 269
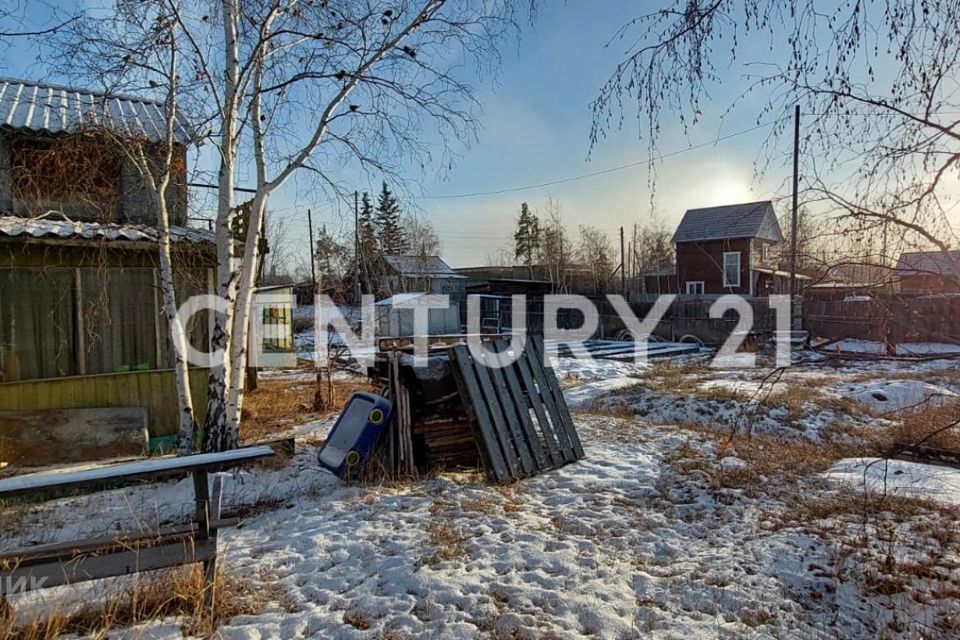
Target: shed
929, 271
80, 317
395, 316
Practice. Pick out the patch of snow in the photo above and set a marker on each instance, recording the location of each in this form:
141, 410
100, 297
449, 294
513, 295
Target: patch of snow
732, 463
910, 479
897, 395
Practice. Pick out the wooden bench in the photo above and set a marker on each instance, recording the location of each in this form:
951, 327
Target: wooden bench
51, 565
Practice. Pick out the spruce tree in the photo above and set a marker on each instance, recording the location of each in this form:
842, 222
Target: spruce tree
526, 240
390, 235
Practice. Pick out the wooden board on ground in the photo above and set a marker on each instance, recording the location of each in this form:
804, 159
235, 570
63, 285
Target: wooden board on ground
517, 410
63, 436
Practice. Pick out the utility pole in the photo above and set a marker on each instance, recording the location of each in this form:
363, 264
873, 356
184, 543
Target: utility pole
356, 245
313, 253
623, 266
793, 215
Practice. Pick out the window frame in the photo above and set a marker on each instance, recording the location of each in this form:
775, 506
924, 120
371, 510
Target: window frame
700, 283
726, 282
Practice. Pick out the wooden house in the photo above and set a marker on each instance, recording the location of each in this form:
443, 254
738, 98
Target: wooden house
422, 274
80, 310
728, 249
929, 272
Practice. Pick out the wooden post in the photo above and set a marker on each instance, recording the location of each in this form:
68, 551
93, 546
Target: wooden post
793, 214
623, 267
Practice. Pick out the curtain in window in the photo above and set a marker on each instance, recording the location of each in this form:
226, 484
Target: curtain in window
120, 320
37, 324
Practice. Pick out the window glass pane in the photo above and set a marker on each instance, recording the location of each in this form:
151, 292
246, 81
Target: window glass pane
120, 332
37, 330
731, 269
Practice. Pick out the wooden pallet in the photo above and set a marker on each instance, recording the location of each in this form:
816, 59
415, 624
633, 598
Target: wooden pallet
520, 419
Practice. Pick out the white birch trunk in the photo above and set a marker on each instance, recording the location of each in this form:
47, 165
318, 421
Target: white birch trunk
178, 335
215, 425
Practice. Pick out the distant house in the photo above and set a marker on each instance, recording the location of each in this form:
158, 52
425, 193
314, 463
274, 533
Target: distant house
929, 272
421, 274
81, 321
728, 249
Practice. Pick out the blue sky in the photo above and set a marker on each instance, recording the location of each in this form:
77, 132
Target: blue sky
536, 119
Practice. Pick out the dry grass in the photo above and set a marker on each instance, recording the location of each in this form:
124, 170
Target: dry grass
176, 593
278, 405
447, 541
919, 423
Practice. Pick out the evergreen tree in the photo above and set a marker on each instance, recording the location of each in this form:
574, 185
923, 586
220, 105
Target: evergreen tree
391, 238
526, 240
366, 232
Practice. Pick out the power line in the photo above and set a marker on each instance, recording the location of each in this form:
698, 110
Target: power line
594, 174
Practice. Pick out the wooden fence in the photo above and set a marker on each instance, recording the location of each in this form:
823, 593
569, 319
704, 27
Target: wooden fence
154, 390
893, 319
684, 317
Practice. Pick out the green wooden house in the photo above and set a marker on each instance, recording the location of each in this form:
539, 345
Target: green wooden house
80, 310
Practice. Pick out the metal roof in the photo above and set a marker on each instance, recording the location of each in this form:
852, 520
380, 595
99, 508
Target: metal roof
421, 266
45, 228
730, 222
929, 262
47, 108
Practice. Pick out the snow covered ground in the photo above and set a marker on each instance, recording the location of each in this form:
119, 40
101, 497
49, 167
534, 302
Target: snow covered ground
668, 528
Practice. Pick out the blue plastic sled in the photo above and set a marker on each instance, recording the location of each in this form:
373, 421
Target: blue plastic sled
355, 433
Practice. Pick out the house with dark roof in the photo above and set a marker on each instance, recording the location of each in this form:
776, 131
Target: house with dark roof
929, 271
421, 274
81, 322
728, 249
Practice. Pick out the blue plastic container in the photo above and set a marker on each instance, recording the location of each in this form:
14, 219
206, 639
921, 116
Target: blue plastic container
358, 429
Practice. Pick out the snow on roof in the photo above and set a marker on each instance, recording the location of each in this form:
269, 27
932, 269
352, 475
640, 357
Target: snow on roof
44, 228
49, 108
421, 266
920, 262
729, 222
399, 299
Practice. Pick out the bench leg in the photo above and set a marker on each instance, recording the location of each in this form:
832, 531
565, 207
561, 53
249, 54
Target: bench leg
208, 510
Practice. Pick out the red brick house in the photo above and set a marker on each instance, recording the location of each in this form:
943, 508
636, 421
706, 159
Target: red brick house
929, 272
727, 249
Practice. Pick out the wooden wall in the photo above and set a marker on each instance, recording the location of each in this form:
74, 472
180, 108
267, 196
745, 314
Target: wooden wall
153, 390
703, 262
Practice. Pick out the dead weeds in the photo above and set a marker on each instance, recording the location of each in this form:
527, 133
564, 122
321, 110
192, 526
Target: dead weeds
278, 405
175, 593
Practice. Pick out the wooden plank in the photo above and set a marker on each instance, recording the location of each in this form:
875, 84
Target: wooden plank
91, 567
536, 403
150, 468
559, 401
498, 420
522, 407
559, 429
478, 415
516, 434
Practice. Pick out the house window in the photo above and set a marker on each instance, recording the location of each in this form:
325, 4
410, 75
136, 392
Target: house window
731, 269
695, 288
766, 253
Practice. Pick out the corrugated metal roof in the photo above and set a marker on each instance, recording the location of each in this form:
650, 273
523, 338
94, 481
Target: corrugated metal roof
920, 262
45, 228
421, 266
48, 108
730, 222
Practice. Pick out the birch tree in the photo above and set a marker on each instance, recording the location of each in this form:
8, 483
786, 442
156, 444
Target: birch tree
140, 45
317, 88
